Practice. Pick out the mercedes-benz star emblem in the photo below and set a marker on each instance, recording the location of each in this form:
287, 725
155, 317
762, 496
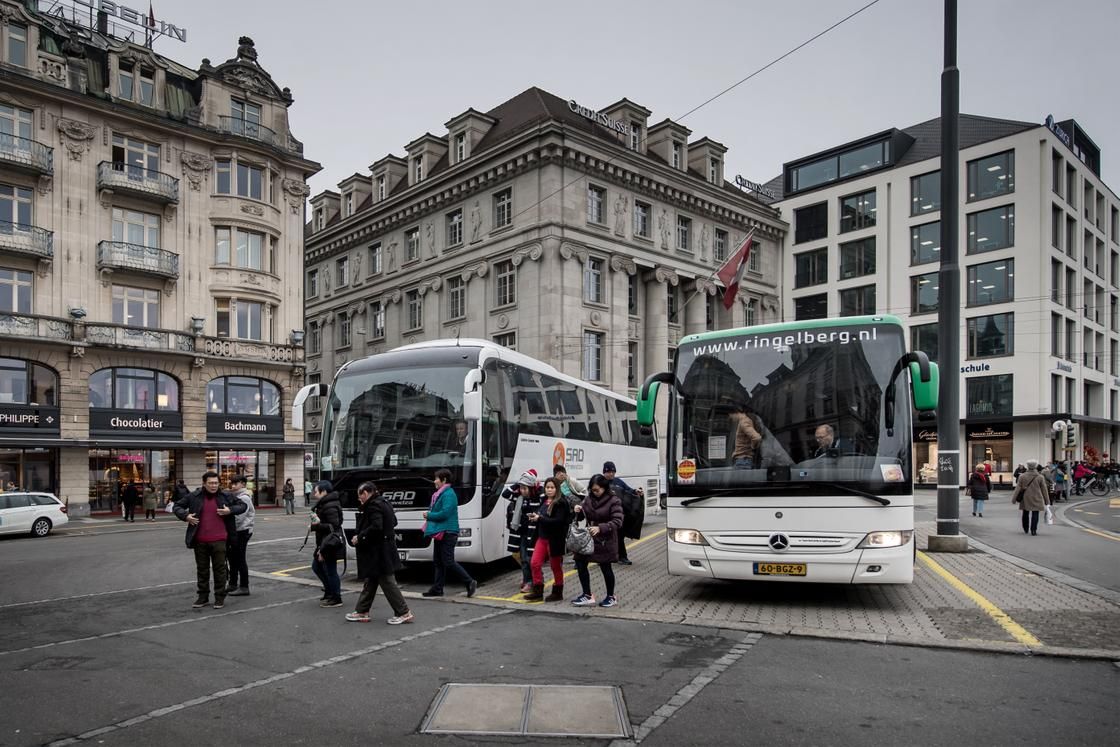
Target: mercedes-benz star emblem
778, 542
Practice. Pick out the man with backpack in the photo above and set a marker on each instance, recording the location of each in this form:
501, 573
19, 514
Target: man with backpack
633, 510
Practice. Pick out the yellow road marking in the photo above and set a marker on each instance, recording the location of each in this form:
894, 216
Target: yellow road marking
1014, 629
1112, 537
1114, 502
288, 571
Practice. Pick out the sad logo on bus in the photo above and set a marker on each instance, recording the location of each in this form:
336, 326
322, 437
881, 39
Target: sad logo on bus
558, 453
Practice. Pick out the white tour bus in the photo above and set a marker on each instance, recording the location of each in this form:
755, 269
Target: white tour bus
483, 411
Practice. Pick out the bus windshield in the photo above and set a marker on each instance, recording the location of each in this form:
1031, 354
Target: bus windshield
799, 411
400, 419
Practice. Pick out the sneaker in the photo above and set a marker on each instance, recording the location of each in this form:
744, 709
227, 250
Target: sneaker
472, 587
357, 617
219, 603
610, 601
432, 593
241, 591
331, 602
525, 588
200, 602
584, 600
626, 561
401, 619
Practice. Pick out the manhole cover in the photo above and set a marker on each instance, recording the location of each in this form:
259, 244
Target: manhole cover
528, 710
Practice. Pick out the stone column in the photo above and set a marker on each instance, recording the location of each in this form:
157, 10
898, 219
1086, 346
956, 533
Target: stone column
696, 310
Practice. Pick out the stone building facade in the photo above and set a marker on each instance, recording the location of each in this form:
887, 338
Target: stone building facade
150, 215
585, 238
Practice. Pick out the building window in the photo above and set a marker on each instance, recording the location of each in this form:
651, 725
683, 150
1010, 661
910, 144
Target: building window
133, 389
593, 281
505, 282
243, 395
26, 383
134, 227
925, 243
342, 272
635, 136
380, 188
246, 118
676, 155
991, 176
857, 258
15, 122
415, 309
246, 180
455, 227
754, 257
684, 233
456, 298
810, 307
312, 283
632, 295
857, 211
857, 301
135, 307
831, 168
240, 319
314, 338
136, 157
348, 205
460, 147
991, 336
596, 196
375, 259
990, 395
923, 337
924, 293
991, 282
593, 356
376, 320
632, 365
412, 244
126, 81
15, 291
752, 312
720, 246
15, 207
506, 340
810, 223
320, 219
992, 229
240, 248
672, 304
641, 219
342, 330
810, 268
503, 208
17, 44
713, 170
925, 193
417, 170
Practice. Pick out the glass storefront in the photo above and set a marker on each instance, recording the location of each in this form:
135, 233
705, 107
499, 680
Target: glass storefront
259, 468
29, 469
991, 445
110, 470
925, 456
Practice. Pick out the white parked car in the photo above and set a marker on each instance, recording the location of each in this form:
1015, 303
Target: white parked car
31, 513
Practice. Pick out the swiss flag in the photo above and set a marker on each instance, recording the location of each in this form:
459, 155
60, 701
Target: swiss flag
731, 272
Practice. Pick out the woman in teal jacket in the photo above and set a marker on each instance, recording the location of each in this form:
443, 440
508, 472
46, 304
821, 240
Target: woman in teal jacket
442, 525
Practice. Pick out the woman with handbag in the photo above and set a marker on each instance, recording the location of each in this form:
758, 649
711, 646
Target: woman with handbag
552, 532
1032, 496
441, 523
326, 520
979, 485
603, 511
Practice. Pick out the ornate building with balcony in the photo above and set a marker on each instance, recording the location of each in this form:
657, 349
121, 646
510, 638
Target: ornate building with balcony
587, 239
149, 216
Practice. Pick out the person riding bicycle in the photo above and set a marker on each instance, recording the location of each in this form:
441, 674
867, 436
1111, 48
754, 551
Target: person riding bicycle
1081, 474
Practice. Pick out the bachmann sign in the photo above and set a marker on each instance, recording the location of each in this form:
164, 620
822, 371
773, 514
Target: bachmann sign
611, 124
227, 427
29, 420
132, 423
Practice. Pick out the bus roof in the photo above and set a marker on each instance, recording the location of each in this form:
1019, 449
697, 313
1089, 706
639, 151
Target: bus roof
493, 350
782, 327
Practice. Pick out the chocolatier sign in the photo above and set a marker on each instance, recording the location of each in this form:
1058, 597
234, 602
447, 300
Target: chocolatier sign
135, 423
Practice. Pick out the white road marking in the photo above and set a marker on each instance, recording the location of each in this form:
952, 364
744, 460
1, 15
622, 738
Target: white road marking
254, 543
94, 594
681, 698
168, 710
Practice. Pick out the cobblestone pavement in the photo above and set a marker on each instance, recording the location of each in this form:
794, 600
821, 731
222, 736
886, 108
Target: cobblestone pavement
975, 601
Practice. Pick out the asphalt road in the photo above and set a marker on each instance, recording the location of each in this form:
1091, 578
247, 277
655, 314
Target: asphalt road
99, 640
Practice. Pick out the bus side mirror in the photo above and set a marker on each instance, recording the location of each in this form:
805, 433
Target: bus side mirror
472, 405
647, 397
924, 392
311, 390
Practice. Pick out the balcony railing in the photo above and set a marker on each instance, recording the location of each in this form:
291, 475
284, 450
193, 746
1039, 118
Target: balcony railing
266, 352
31, 326
251, 130
29, 241
25, 154
117, 335
119, 255
137, 180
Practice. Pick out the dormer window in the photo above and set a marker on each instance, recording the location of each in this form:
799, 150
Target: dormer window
320, 219
460, 147
635, 135
417, 170
380, 188
136, 84
246, 118
126, 81
676, 155
713, 170
348, 205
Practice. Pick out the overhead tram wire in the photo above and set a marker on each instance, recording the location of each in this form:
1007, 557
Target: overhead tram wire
700, 106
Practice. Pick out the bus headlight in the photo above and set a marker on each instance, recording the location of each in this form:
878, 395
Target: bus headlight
896, 538
687, 537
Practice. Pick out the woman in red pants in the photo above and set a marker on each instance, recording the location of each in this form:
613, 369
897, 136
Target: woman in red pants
552, 531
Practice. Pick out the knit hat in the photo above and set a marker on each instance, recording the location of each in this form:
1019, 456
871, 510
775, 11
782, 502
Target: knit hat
528, 477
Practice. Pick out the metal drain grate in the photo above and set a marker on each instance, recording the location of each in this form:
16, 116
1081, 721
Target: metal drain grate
528, 710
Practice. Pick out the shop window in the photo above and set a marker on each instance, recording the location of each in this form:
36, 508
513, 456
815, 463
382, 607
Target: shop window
112, 470
243, 395
26, 383
133, 389
258, 468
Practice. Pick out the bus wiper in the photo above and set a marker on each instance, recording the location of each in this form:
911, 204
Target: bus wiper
862, 493
726, 491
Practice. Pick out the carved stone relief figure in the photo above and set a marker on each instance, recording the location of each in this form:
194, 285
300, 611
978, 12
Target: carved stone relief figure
391, 257
430, 239
621, 203
476, 222
705, 237
663, 227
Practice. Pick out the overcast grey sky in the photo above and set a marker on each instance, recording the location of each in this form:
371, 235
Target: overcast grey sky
369, 77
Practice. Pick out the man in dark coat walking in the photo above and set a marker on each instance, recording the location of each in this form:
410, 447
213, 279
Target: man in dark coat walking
633, 510
129, 499
378, 559
209, 515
